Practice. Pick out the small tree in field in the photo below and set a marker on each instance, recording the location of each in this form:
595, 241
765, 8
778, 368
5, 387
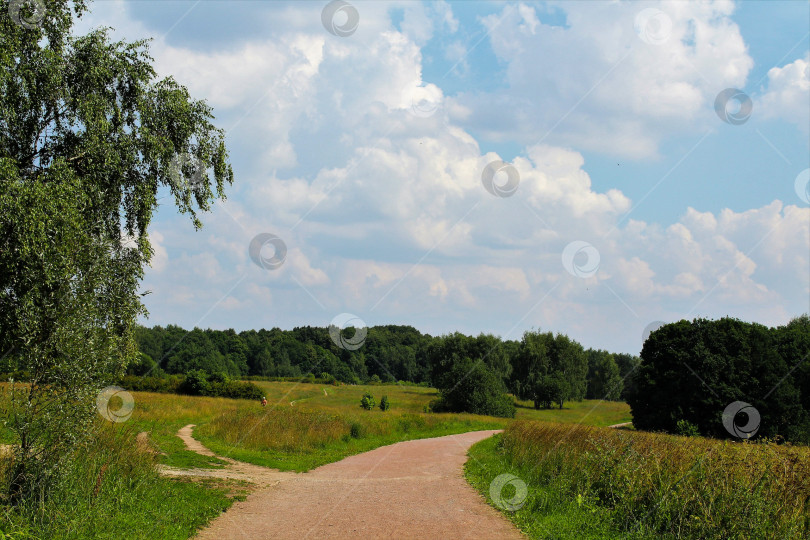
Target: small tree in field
384, 403
87, 137
367, 401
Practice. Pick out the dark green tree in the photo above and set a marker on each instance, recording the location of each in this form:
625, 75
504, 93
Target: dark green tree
88, 136
550, 389
604, 381
471, 386
692, 371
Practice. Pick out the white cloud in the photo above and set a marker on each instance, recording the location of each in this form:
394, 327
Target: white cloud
382, 207
596, 85
788, 93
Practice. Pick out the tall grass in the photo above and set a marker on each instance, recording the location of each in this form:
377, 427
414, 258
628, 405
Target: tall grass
111, 489
287, 438
654, 484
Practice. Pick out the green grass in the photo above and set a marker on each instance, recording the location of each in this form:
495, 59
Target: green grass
589, 412
110, 490
543, 514
305, 426
287, 439
592, 482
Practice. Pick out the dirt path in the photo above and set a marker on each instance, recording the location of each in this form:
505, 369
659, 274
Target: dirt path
621, 425
413, 489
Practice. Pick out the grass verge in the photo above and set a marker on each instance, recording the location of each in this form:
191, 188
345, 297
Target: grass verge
588, 482
111, 490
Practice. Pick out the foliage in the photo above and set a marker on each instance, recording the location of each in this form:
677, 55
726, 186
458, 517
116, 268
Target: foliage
604, 378
195, 383
109, 488
87, 137
367, 401
471, 386
199, 383
692, 371
550, 389
384, 403
549, 368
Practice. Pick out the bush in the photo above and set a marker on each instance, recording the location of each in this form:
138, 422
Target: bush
384, 404
220, 377
356, 430
237, 390
687, 429
367, 401
474, 388
165, 385
195, 383
375, 379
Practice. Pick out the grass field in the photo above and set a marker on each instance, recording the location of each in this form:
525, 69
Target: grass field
304, 426
588, 482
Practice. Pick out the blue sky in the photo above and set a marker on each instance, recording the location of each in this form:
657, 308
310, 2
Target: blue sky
365, 153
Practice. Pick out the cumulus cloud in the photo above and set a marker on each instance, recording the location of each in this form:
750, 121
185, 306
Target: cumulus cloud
373, 178
788, 93
595, 83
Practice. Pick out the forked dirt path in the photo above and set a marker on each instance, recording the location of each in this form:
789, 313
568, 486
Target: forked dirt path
413, 489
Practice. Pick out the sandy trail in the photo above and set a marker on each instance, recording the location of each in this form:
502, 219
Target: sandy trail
413, 489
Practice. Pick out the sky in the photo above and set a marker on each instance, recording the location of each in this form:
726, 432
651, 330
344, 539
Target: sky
587, 168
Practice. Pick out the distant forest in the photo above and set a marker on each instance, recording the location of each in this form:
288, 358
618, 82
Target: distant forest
389, 353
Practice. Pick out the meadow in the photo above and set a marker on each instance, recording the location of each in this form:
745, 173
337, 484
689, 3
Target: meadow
307, 425
589, 482
114, 490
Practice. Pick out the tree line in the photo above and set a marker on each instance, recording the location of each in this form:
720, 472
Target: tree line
541, 367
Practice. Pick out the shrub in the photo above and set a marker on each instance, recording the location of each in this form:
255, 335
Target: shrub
367, 401
235, 390
384, 404
356, 430
687, 428
195, 383
474, 388
375, 379
220, 377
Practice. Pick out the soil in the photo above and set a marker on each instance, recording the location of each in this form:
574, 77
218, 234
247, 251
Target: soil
412, 489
